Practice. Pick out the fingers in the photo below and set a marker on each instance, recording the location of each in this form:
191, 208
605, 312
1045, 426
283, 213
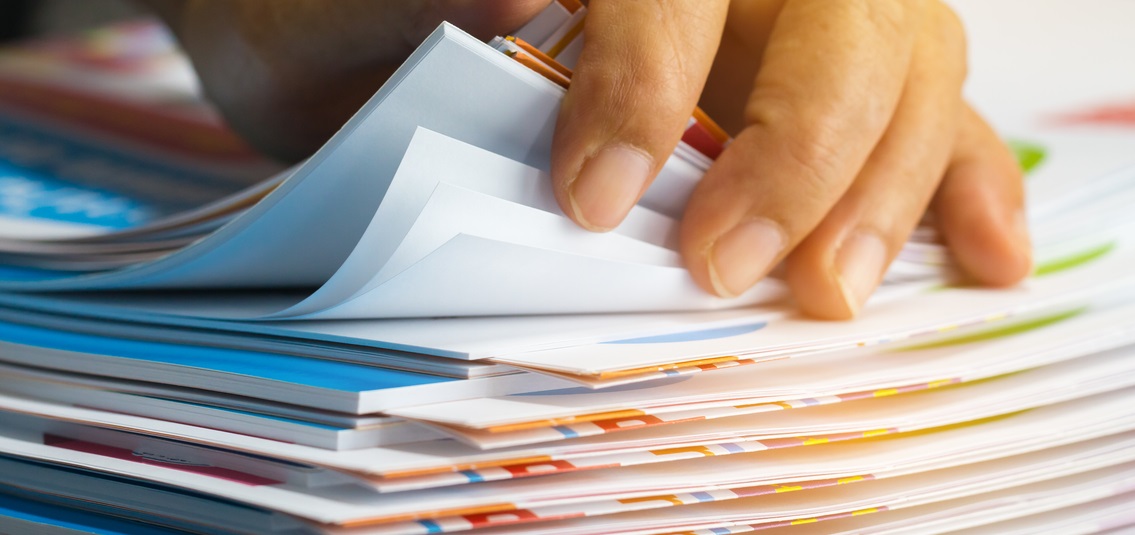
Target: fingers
840, 264
830, 80
980, 207
634, 88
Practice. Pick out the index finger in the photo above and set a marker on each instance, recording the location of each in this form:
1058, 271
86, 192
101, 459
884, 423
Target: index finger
633, 90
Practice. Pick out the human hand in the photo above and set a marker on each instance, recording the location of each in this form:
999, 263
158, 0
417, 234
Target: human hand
847, 115
848, 122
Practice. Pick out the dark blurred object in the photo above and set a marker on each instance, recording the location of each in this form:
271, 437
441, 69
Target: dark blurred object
29, 18
16, 19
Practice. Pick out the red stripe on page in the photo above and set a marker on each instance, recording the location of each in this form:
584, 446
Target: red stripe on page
153, 460
1112, 115
700, 139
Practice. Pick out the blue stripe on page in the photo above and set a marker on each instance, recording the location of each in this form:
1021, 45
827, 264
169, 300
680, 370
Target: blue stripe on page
472, 476
431, 526
111, 508
54, 515
567, 432
327, 374
25, 194
732, 448
694, 336
255, 414
22, 274
86, 181
702, 496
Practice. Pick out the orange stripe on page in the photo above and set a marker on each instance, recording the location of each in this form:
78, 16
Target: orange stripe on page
566, 39
684, 364
780, 404
719, 134
627, 413
539, 68
645, 499
540, 56
701, 450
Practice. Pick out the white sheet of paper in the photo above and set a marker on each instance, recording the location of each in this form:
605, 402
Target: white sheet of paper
811, 376
444, 456
902, 455
891, 320
832, 415
995, 513
303, 231
769, 511
903, 486
466, 338
425, 207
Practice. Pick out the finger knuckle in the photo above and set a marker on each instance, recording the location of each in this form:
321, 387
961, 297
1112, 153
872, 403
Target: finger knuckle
638, 103
948, 28
809, 141
893, 18
816, 160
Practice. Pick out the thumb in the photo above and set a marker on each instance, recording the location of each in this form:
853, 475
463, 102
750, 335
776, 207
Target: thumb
633, 90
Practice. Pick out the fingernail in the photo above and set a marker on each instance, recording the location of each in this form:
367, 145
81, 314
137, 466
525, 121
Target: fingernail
740, 257
859, 265
608, 187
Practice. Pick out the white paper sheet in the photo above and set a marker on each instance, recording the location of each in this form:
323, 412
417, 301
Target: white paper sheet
948, 357
900, 456
891, 320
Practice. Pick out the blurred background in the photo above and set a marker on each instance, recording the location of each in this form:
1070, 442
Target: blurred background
27, 18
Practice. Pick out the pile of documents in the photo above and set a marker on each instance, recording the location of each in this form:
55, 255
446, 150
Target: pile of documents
403, 335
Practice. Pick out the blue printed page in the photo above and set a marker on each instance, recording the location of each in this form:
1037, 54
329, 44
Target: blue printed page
59, 185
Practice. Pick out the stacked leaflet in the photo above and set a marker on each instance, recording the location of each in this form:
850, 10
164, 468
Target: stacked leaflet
402, 335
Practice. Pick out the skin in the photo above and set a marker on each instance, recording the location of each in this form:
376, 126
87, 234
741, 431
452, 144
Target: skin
847, 118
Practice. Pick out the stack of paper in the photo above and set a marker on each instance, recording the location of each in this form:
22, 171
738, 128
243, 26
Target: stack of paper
162, 369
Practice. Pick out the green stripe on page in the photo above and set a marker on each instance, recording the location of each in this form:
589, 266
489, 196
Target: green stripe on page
1056, 265
1000, 332
1029, 155
1067, 262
